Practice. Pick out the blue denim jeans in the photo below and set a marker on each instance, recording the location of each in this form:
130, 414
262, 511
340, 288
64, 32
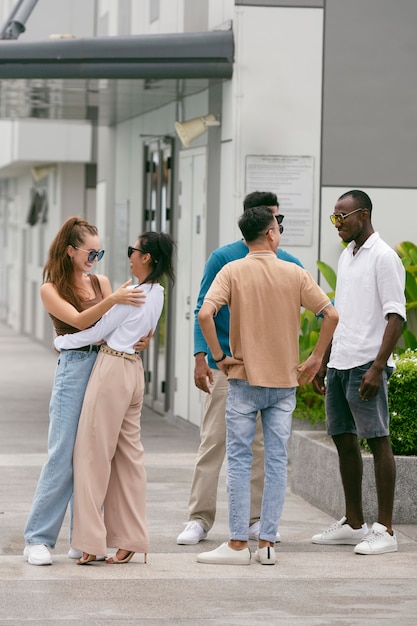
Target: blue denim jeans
276, 407
55, 485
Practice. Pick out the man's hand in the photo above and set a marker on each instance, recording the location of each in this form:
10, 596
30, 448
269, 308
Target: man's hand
370, 384
143, 343
227, 362
319, 385
308, 370
203, 376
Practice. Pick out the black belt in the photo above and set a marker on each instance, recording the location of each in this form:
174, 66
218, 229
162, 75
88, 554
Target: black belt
92, 348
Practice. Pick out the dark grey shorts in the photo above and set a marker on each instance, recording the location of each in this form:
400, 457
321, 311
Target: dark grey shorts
346, 412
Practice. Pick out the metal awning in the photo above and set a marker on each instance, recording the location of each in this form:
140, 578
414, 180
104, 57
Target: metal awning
109, 79
177, 55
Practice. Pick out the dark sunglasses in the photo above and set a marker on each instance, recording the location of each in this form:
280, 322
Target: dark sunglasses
131, 249
92, 254
279, 218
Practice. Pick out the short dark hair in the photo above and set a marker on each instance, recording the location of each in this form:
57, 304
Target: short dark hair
255, 221
362, 198
260, 198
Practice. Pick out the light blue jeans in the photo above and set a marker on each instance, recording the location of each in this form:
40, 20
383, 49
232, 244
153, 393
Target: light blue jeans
55, 486
276, 407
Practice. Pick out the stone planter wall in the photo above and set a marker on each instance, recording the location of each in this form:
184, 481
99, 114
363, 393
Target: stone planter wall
314, 475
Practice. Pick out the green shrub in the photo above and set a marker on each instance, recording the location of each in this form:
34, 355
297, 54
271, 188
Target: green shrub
402, 398
310, 405
408, 254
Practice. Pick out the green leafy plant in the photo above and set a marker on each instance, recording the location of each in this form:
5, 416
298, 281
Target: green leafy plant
329, 274
407, 252
310, 405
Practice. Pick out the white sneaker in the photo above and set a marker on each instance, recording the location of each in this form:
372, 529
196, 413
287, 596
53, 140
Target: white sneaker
341, 533
73, 553
266, 555
255, 529
192, 534
377, 541
37, 554
224, 555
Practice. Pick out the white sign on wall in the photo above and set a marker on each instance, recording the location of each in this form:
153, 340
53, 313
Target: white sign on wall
292, 179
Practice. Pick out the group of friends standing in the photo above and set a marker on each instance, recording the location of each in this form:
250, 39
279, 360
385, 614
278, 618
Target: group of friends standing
247, 324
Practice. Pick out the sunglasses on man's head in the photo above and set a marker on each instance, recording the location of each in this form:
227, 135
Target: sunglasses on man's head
92, 254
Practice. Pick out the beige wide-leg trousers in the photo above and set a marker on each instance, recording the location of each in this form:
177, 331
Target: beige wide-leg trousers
109, 460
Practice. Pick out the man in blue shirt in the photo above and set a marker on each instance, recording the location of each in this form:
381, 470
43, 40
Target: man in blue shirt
208, 378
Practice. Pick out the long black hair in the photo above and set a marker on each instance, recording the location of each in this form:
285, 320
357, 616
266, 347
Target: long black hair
161, 247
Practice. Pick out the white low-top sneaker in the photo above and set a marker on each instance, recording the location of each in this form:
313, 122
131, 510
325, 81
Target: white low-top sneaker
341, 533
73, 553
377, 541
193, 533
224, 555
266, 555
254, 530
37, 554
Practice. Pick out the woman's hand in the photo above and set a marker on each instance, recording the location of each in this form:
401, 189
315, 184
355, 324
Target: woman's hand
124, 295
143, 343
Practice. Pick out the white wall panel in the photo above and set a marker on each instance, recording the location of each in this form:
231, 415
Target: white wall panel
277, 90
220, 11
44, 141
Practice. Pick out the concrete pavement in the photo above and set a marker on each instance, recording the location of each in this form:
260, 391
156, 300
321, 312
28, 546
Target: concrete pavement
309, 585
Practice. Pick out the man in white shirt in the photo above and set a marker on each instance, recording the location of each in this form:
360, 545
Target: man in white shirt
371, 305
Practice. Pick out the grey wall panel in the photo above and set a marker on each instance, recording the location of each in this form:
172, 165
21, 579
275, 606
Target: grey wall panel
282, 3
370, 94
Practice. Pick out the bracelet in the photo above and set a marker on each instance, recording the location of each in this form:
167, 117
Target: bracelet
222, 358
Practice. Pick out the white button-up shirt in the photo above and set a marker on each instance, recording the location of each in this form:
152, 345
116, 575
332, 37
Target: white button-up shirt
370, 285
122, 326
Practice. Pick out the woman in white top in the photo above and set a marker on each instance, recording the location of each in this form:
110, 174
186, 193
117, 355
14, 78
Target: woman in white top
108, 454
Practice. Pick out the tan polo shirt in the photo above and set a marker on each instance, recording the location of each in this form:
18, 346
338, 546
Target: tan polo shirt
265, 296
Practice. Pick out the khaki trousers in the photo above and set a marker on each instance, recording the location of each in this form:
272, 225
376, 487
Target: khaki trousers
109, 461
210, 457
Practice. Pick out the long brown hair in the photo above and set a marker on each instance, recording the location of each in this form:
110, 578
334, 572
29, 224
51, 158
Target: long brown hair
59, 268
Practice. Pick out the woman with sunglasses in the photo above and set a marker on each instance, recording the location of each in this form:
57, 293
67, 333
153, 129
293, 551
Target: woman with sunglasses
108, 454
75, 299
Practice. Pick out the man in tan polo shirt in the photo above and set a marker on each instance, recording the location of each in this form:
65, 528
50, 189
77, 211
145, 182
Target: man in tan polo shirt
264, 295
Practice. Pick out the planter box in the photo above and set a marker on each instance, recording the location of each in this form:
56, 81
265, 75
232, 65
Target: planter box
315, 476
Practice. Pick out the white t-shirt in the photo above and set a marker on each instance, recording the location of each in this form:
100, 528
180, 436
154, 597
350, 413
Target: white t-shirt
370, 284
122, 326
